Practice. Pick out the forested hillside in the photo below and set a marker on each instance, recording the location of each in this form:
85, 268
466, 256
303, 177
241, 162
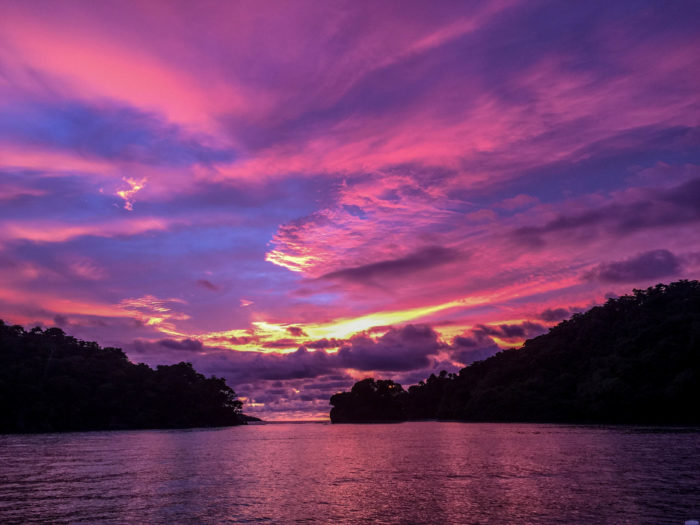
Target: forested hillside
52, 382
635, 359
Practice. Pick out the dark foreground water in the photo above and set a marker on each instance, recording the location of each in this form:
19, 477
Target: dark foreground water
319, 473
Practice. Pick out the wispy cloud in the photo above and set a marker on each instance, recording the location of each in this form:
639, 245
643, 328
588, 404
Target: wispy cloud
280, 196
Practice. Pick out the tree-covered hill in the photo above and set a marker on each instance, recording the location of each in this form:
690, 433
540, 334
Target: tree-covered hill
51, 382
635, 359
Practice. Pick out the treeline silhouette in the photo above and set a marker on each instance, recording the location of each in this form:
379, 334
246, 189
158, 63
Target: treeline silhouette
636, 359
51, 382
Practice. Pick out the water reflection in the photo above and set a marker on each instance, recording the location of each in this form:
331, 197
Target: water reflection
402, 473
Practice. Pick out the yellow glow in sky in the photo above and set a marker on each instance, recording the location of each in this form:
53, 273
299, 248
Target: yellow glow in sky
291, 262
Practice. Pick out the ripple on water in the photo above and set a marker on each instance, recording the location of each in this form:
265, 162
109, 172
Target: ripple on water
425, 472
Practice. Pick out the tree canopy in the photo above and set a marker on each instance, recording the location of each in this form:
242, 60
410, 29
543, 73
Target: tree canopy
369, 400
635, 359
51, 382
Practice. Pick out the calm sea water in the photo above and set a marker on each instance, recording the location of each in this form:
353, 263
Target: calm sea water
426, 472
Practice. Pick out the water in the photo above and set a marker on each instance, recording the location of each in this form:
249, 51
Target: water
425, 472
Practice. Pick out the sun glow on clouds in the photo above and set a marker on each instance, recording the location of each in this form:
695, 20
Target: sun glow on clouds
155, 312
160, 314
128, 194
480, 173
294, 263
343, 328
260, 336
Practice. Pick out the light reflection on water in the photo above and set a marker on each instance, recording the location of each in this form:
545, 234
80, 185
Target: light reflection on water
426, 472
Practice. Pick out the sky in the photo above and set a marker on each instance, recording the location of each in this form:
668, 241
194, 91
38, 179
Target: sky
298, 195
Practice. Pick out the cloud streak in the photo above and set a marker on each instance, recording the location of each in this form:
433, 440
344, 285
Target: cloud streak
655, 264
285, 195
414, 262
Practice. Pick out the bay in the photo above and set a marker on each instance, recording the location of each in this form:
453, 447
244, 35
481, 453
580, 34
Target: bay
417, 472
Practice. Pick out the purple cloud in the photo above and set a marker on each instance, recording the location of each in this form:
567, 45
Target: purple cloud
420, 260
399, 349
208, 285
659, 207
654, 264
469, 169
478, 343
555, 314
296, 331
108, 131
183, 344
477, 347
281, 343
526, 329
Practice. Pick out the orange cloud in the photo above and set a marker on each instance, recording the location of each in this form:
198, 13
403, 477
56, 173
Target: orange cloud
128, 194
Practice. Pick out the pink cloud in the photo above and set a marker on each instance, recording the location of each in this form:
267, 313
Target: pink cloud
53, 232
338, 171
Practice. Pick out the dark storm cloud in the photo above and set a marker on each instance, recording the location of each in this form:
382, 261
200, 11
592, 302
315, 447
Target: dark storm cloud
424, 259
653, 264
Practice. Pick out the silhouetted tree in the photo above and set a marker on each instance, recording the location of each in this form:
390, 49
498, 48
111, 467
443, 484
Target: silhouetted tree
369, 400
53, 382
635, 359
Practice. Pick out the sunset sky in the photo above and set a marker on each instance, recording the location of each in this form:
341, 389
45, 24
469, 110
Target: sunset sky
297, 195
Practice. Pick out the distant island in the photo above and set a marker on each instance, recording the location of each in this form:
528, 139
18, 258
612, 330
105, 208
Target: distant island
636, 359
51, 382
